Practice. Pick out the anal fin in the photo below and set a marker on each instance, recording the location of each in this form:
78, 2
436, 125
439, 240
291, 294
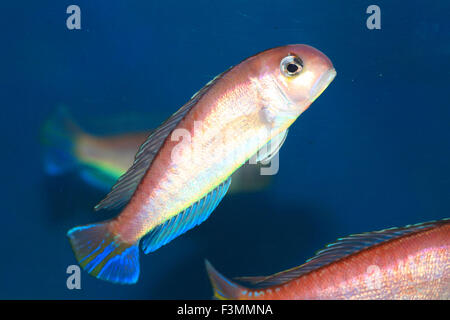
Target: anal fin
185, 220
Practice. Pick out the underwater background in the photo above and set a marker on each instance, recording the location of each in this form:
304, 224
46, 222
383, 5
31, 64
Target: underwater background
372, 152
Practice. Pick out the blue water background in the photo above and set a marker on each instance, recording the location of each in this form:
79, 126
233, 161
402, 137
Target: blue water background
372, 152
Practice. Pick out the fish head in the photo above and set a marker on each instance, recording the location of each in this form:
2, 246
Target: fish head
292, 77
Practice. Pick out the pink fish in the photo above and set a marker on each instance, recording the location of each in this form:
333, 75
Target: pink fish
412, 262
182, 171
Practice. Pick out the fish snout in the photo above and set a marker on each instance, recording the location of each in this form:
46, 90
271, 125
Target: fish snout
322, 83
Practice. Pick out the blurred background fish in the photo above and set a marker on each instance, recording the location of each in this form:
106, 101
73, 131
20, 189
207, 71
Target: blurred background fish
412, 262
100, 159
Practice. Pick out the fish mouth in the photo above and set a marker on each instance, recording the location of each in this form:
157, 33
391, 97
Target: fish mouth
321, 84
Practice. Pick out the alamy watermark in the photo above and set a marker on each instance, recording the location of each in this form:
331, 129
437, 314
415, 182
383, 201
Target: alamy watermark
229, 151
374, 20
74, 20
373, 278
74, 280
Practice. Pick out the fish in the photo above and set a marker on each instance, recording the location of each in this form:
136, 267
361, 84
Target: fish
100, 160
182, 171
406, 263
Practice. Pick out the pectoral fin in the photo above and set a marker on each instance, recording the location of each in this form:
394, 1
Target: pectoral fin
270, 149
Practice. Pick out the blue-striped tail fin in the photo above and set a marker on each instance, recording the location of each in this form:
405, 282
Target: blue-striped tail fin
103, 255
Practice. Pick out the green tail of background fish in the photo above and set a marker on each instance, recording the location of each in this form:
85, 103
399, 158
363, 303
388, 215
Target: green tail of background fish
58, 136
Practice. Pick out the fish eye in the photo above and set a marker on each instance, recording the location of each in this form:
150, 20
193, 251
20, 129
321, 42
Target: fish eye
291, 66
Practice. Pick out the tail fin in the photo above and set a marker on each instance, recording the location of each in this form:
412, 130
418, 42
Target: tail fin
103, 255
58, 135
224, 289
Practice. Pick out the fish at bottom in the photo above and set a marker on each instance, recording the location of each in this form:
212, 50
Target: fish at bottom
405, 263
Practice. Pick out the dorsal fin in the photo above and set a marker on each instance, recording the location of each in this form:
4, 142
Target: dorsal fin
126, 185
340, 249
185, 220
250, 280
